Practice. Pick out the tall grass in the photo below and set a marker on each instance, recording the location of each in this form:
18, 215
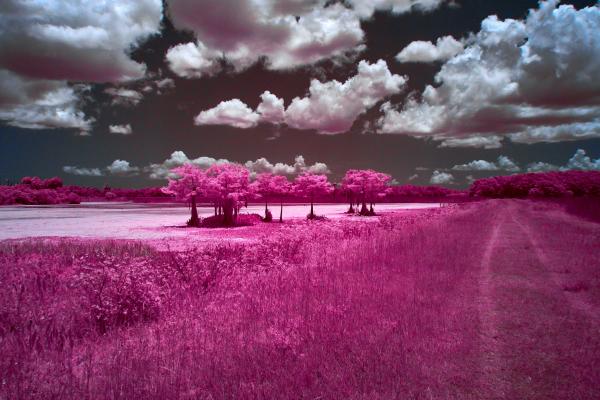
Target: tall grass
320, 310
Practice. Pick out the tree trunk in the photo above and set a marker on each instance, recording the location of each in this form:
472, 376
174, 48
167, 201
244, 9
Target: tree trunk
281, 212
312, 209
364, 210
194, 220
228, 212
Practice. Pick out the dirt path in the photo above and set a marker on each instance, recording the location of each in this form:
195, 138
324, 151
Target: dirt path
538, 341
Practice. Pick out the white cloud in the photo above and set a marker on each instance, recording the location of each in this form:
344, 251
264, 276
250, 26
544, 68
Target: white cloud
193, 60
532, 80
120, 129
330, 107
271, 108
441, 178
477, 141
541, 167
502, 164
82, 171
122, 167
426, 52
583, 162
260, 165
41, 104
263, 165
288, 35
124, 97
477, 165
366, 8
76, 42
177, 159
45, 44
231, 112
285, 33
579, 161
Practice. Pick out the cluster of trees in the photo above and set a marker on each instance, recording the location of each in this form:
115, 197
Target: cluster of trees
365, 186
539, 184
35, 190
228, 187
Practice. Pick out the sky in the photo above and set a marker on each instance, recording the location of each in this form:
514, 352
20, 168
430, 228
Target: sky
430, 91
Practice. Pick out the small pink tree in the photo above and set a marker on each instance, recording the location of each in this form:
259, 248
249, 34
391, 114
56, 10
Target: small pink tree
311, 186
366, 185
230, 182
265, 186
188, 182
281, 188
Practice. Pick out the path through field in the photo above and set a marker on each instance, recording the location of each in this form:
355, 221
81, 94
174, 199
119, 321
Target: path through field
540, 316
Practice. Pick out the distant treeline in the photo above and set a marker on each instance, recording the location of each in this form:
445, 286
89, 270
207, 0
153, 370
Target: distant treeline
566, 184
539, 185
34, 190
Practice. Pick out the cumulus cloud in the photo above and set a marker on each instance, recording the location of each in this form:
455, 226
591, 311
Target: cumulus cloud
441, 178
120, 129
260, 165
541, 167
177, 159
330, 107
532, 80
271, 108
231, 112
122, 167
47, 40
82, 171
366, 8
484, 142
502, 164
44, 45
263, 165
579, 161
41, 104
193, 60
426, 52
124, 97
284, 33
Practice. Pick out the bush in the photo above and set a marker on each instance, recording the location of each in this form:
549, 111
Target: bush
216, 221
268, 216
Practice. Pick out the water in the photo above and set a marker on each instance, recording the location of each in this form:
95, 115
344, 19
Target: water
140, 221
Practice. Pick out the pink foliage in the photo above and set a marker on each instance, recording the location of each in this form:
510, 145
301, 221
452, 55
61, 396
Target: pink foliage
311, 186
366, 186
539, 185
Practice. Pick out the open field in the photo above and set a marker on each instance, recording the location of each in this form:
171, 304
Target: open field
486, 300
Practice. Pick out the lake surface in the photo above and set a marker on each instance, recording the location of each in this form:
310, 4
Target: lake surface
140, 221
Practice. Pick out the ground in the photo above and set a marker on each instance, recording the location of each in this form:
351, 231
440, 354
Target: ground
498, 299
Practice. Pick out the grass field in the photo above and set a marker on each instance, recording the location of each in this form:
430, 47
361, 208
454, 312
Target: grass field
486, 300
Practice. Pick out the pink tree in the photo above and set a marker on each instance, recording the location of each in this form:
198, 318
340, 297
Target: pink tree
281, 188
265, 186
311, 186
366, 185
190, 180
230, 182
